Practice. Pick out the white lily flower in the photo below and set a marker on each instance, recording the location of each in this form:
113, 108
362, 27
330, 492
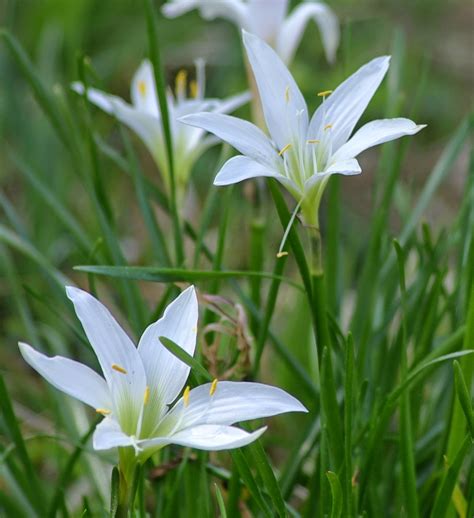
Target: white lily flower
302, 153
141, 384
144, 118
268, 19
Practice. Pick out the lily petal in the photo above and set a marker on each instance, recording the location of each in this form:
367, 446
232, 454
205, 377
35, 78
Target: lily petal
344, 107
247, 138
232, 103
293, 28
145, 125
240, 168
284, 107
108, 434
374, 133
266, 18
165, 373
231, 403
346, 167
73, 378
117, 355
233, 10
143, 91
207, 437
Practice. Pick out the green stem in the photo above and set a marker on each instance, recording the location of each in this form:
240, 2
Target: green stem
330, 409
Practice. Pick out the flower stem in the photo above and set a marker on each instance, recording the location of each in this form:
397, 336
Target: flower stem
330, 412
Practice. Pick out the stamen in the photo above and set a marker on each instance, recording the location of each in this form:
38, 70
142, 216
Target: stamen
146, 396
287, 94
313, 141
186, 392
103, 411
213, 388
118, 368
193, 89
181, 78
328, 126
286, 148
142, 88
281, 254
324, 93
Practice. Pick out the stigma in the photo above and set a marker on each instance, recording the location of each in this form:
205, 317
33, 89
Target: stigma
142, 88
213, 388
146, 395
324, 93
286, 148
186, 396
103, 411
118, 368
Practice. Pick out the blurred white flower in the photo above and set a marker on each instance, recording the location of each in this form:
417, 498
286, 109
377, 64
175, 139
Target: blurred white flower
268, 19
144, 118
142, 382
302, 153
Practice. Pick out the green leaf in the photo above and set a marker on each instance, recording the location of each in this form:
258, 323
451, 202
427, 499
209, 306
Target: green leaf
185, 357
464, 397
220, 501
114, 492
336, 492
448, 482
153, 274
260, 461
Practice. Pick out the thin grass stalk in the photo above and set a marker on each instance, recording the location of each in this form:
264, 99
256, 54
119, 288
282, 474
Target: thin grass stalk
155, 58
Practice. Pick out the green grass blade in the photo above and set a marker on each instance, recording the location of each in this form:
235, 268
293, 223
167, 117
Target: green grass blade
15, 434
182, 355
153, 274
220, 502
336, 492
348, 411
448, 482
464, 397
256, 452
155, 58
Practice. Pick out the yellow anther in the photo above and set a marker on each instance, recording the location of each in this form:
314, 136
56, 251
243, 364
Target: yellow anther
328, 126
146, 396
193, 89
313, 141
286, 148
181, 78
186, 392
287, 94
213, 388
118, 368
281, 254
103, 411
324, 93
142, 88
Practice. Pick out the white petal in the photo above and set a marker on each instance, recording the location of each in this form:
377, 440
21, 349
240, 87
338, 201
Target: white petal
166, 374
146, 126
240, 168
266, 17
294, 26
374, 133
73, 378
108, 434
232, 103
233, 10
113, 347
143, 91
345, 167
232, 402
344, 107
207, 437
242, 135
284, 107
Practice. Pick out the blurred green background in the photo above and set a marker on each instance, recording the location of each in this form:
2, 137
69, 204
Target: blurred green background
433, 37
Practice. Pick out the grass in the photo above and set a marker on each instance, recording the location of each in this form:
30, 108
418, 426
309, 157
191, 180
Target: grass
378, 347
